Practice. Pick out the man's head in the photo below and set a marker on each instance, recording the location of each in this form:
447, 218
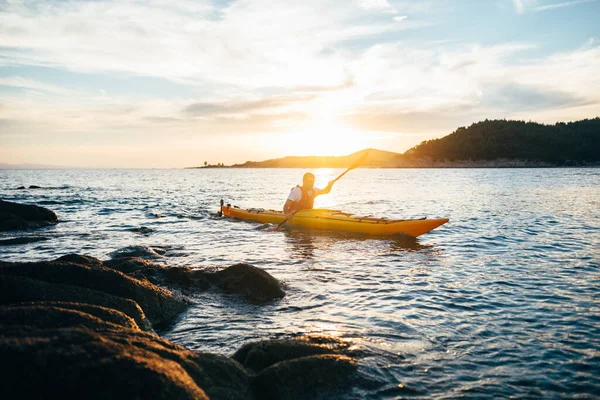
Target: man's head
308, 181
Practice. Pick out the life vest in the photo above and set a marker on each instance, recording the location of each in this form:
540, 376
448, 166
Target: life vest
307, 201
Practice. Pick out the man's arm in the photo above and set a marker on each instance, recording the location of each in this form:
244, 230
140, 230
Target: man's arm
326, 189
287, 208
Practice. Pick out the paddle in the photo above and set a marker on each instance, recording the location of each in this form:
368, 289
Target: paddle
350, 168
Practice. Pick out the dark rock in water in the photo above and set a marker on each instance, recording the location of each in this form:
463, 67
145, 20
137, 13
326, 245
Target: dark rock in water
40, 316
77, 363
80, 259
248, 281
17, 289
128, 265
22, 240
305, 377
34, 187
142, 230
24, 216
160, 306
257, 356
223, 378
144, 252
103, 313
21, 188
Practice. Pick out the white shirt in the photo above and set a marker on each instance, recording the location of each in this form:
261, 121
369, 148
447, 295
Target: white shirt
296, 193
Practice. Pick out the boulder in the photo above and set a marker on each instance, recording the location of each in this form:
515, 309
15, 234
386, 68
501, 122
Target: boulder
24, 216
76, 363
305, 377
105, 314
80, 259
257, 356
42, 316
18, 289
248, 281
145, 252
252, 283
160, 305
34, 187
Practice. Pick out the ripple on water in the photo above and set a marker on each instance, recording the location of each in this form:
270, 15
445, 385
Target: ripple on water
501, 301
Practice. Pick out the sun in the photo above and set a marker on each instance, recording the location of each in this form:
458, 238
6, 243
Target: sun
324, 137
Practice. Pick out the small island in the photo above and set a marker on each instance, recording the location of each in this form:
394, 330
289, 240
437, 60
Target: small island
486, 144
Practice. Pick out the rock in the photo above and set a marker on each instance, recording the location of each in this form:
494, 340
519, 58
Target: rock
257, 356
21, 188
22, 240
305, 377
160, 305
77, 363
24, 216
248, 281
144, 252
80, 259
34, 187
42, 316
142, 230
128, 265
103, 313
17, 289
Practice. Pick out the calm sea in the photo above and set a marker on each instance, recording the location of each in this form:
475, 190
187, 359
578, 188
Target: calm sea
504, 300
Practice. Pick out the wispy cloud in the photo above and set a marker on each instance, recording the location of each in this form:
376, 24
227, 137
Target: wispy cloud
519, 6
560, 5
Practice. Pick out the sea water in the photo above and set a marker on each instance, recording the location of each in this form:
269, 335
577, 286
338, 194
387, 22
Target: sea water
502, 301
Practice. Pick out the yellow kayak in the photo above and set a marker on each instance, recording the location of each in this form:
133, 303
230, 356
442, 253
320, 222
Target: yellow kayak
335, 220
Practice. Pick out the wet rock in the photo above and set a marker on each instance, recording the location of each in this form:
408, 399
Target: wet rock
17, 289
77, 363
305, 377
160, 305
257, 356
248, 281
21, 188
103, 313
145, 252
34, 187
22, 240
43, 316
80, 259
24, 216
142, 230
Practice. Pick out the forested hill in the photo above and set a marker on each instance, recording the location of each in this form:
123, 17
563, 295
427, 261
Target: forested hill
570, 143
496, 143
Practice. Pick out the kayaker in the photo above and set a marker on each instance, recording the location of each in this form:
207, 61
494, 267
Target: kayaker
303, 197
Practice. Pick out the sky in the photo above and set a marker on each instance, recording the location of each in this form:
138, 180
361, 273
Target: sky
175, 83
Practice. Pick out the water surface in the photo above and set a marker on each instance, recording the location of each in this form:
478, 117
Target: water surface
501, 301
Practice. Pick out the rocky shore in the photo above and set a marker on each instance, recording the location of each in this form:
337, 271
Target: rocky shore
80, 327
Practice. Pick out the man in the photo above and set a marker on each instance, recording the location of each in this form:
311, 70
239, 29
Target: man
303, 197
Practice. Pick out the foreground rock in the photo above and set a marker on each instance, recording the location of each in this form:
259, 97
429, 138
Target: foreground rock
62, 281
73, 328
250, 282
24, 216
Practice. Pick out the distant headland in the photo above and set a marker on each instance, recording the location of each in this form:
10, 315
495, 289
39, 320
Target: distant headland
486, 144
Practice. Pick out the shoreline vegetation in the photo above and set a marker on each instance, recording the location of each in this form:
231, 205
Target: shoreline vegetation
486, 144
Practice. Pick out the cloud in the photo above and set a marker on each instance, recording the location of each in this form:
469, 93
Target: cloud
25, 83
519, 7
246, 43
561, 5
242, 107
